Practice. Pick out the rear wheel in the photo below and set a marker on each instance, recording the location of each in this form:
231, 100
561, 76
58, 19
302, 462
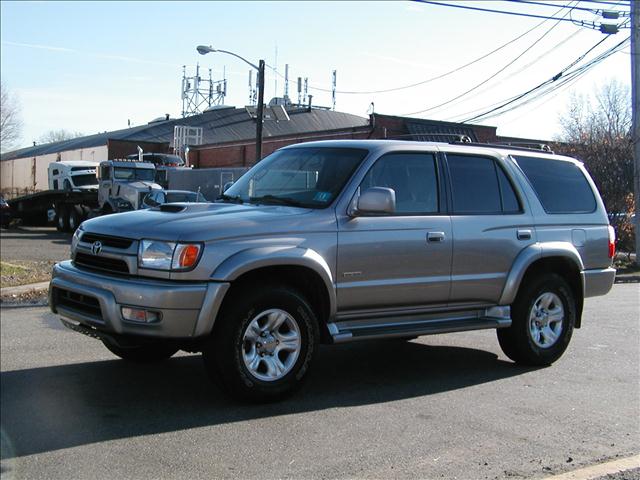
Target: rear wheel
543, 314
62, 219
263, 344
147, 353
75, 217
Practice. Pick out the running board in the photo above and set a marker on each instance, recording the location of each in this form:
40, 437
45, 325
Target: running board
418, 327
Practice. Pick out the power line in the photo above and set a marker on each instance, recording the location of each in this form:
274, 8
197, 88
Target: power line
499, 71
543, 4
612, 3
491, 10
438, 77
578, 72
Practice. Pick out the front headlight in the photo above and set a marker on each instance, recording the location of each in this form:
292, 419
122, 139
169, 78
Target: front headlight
76, 238
159, 255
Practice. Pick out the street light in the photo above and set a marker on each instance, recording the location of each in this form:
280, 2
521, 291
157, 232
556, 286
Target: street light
203, 50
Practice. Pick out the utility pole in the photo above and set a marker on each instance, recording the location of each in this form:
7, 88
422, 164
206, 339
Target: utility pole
635, 109
260, 112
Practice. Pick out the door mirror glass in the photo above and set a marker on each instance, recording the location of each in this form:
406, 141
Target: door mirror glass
377, 201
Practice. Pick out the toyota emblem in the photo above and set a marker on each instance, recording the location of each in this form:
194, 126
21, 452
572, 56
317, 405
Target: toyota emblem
96, 248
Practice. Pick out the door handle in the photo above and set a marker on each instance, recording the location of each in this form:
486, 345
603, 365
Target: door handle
435, 236
524, 234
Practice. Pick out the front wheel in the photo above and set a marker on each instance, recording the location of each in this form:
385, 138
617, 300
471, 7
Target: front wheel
144, 353
263, 344
543, 314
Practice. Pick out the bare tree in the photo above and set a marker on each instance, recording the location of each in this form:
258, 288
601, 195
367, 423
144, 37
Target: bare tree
58, 136
597, 130
10, 123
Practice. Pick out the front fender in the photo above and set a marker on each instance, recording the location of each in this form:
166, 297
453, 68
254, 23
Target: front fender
254, 258
530, 255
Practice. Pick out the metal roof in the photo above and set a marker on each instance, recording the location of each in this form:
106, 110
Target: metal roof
219, 126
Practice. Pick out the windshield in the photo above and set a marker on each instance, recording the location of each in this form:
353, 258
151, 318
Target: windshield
309, 177
131, 174
84, 180
176, 197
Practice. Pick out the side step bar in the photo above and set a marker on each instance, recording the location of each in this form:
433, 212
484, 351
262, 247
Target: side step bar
417, 327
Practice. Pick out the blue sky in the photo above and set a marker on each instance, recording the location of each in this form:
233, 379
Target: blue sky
92, 66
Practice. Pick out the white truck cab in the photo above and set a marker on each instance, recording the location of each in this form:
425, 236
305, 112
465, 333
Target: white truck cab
72, 175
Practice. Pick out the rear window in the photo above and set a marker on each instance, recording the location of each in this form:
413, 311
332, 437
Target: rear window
561, 186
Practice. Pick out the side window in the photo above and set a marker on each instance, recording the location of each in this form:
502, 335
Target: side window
510, 203
412, 176
474, 185
160, 198
55, 171
104, 172
560, 185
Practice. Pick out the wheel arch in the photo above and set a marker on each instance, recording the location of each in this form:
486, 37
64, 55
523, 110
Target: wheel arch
560, 258
302, 269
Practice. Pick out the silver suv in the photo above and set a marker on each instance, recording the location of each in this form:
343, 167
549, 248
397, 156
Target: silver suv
338, 241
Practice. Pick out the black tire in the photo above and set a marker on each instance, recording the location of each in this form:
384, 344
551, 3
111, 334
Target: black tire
75, 217
66, 186
223, 353
147, 353
62, 219
524, 342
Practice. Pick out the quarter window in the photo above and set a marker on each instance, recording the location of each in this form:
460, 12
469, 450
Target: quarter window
412, 176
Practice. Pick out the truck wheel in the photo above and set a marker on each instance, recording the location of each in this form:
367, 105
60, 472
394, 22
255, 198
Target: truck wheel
75, 217
62, 219
263, 344
147, 353
543, 314
66, 185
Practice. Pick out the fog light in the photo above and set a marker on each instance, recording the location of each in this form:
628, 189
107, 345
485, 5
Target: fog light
139, 315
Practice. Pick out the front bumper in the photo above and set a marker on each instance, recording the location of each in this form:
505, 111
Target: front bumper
187, 310
598, 282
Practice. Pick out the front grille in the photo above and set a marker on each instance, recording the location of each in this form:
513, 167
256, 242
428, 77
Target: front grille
106, 240
105, 264
77, 302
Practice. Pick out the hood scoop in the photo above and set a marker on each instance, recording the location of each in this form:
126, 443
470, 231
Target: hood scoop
172, 208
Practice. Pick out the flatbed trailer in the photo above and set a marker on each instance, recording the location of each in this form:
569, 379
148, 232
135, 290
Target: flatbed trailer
69, 208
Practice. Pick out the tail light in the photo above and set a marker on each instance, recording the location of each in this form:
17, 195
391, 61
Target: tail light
612, 242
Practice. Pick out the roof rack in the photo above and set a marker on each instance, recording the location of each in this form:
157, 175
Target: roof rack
459, 137
527, 147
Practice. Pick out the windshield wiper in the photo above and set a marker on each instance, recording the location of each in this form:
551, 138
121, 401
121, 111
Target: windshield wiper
231, 198
276, 200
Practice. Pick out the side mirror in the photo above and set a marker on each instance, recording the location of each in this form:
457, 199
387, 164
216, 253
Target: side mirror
226, 186
376, 201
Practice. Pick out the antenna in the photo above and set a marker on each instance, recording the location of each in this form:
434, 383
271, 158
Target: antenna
306, 89
333, 90
250, 87
197, 95
286, 80
299, 90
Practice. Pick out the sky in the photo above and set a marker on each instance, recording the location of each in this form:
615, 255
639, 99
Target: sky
96, 66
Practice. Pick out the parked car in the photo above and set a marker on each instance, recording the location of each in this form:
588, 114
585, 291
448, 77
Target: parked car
160, 197
5, 213
338, 241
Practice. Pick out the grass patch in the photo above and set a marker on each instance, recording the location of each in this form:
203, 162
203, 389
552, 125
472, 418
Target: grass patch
17, 273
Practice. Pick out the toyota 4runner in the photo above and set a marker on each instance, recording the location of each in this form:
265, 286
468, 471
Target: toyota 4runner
338, 241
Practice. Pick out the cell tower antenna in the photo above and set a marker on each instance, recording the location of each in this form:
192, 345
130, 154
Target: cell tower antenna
299, 90
286, 80
333, 90
198, 95
250, 87
306, 89
275, 70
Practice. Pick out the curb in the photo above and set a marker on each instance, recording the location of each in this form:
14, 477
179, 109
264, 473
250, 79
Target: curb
600, 470
627, 279
17, 290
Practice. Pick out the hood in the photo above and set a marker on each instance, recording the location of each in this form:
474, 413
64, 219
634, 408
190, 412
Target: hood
203, 221
140, 185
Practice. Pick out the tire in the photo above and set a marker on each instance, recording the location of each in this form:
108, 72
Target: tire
147, 353
75, 217
66, 186
262, 368
62, 219
540, 340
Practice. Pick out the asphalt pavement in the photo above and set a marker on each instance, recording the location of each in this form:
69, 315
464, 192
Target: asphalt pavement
446, 406
34, 244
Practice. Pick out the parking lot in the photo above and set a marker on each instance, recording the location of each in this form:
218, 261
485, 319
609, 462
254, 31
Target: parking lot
447, 406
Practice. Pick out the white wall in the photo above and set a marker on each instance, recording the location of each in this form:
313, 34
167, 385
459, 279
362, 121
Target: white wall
17, 176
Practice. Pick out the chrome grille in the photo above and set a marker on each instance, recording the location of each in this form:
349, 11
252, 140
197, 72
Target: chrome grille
105, 264
106, 240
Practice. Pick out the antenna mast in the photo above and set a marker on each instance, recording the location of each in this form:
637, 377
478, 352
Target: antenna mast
197, 94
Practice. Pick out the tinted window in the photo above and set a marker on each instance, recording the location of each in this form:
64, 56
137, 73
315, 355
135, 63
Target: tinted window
510, 203
474, 184
560, 185
412, 176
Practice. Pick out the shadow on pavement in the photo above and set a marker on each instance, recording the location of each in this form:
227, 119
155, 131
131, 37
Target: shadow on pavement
51, 408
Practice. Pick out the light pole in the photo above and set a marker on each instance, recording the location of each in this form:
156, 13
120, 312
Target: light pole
203, 50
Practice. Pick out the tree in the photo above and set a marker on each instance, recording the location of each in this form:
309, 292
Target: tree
597, 130
10, 123
58, 136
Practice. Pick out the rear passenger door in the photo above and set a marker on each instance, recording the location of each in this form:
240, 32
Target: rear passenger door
490, 227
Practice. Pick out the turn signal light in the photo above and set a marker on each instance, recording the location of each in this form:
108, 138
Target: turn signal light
187, 255
139, 315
